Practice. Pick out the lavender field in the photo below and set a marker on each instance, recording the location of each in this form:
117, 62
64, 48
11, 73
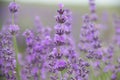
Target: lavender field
59, 41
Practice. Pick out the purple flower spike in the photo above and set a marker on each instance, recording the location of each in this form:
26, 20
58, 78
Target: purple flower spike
61, 65
86, 18
14, 29
13, 7
61, 5
57, 53
93, 16
7, 56
61, 11
59, 40
113, 77
59, 29
28, 33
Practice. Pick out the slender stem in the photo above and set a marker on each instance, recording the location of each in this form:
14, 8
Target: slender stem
16, 51
61, 75
16, 56
13, 18
92, 70
38, 75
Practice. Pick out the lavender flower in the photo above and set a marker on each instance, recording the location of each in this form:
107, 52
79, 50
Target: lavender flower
59, 40
13, 7
7, 56
93, 10
89, 40
13, 29
61, 65
36, 53
63, 39
113, 77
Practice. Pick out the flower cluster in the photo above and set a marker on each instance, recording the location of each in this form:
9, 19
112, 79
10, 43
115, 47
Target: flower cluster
13, 29
89, 39
38, 48
7, 56
13, 7
93, 14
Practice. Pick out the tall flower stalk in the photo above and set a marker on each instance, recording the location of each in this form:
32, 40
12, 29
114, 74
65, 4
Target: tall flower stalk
13, 8
68, 64
91, 44
93, 13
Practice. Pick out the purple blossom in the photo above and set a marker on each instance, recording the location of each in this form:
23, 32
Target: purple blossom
13, 29
113, 77
13, 7
61, 5
7, 56
93, 15
89, 39
59, 40
59, 29
61, 65
57, 53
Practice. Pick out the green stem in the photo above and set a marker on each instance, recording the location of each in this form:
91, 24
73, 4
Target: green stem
38, 75
16, 56
61, 75
16, 51
12, 18
92, 71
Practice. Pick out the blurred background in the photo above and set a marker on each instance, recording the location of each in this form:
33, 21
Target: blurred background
46, 10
